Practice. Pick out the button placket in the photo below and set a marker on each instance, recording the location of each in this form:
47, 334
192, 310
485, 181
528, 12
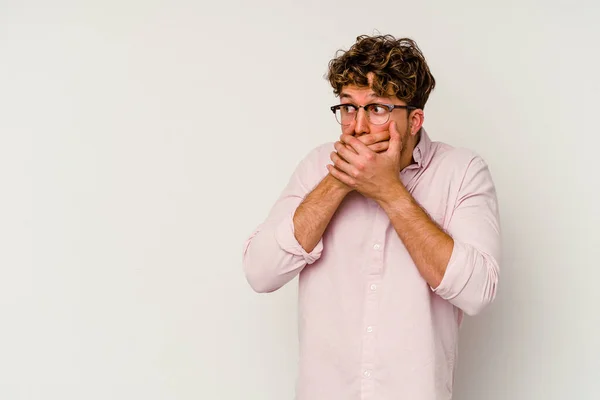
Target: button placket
370, 320
371, 310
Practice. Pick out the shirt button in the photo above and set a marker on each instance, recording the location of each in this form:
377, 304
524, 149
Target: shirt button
373, 287
369, 329
376, 247
367, 374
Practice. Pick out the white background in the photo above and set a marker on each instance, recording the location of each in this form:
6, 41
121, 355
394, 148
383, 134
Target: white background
142, 142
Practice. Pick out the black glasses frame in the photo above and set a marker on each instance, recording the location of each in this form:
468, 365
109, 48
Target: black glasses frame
390, 107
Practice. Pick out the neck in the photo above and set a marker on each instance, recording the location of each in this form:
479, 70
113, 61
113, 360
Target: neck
406, 157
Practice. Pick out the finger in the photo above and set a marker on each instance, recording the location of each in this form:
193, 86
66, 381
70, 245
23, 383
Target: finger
367, 139
395, 140
373, 138
356, 144
380, 147
340, 176
346, 152
343, 165
348, 147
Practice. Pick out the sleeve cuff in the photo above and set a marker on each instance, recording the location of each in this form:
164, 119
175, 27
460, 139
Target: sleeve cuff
458, 272
284, 234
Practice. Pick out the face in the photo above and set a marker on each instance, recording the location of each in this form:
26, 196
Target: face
408, 122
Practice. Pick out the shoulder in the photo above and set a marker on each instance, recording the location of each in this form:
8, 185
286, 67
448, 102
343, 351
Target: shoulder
317, 156
312, 168
321, 151
457, 160
456, 157
461, 167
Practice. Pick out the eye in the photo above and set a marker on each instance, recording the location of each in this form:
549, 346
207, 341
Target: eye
377, 109
348, 108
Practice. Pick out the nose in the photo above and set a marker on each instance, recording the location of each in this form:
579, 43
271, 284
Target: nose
362, 124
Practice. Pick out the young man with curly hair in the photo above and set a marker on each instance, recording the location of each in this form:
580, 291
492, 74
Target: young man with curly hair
394, 236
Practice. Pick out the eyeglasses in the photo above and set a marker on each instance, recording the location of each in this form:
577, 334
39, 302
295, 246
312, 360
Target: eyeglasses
377, 114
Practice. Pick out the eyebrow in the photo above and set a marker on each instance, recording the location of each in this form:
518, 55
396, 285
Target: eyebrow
348, 96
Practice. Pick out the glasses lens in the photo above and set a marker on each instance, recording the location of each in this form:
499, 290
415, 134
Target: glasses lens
345, 114
338, 116
378, 114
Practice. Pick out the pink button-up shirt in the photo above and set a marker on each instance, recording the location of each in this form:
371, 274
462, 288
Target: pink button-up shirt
370, 327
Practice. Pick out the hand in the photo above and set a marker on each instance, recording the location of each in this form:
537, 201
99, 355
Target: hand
370, 173
378, 142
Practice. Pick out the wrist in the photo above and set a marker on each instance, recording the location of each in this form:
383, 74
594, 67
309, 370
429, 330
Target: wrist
336, 186
393, 195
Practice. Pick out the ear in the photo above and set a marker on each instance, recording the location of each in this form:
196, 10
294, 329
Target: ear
415, 121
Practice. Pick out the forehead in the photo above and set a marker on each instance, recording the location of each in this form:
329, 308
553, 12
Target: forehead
363, 95
353, 91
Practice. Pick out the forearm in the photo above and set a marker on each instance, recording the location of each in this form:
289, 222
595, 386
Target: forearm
315, 212
290, 238
429, 246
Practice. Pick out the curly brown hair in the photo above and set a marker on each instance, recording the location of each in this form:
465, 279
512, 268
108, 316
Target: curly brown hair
398, 66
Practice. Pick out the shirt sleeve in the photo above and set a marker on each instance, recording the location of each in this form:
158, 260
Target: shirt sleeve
471, 276
272, 255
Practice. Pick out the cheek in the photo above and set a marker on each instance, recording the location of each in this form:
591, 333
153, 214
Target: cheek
401, 125
348, 130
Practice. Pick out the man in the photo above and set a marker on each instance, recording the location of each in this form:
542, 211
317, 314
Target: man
393, 236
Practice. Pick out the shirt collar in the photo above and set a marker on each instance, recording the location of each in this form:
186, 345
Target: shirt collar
422, 153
